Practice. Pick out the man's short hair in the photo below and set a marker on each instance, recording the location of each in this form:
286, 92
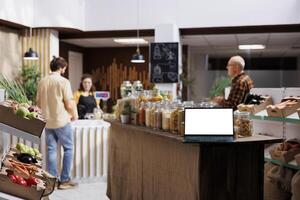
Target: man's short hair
239, 61
57, 63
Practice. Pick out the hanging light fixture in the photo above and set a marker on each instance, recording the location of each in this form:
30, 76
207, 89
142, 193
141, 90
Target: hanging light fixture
137, 57
30, 55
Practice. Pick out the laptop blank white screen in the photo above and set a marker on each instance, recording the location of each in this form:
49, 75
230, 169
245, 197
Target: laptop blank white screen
211, 121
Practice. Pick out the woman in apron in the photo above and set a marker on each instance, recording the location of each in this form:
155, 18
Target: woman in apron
84, 97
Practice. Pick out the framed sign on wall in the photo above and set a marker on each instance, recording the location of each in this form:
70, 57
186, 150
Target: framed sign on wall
164, 62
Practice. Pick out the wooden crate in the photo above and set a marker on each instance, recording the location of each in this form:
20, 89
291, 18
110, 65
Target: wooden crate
284, 156
25, 192
253, 109
274, 111
34, 127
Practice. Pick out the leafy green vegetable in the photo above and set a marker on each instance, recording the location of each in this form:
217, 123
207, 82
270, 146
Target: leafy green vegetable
14, 90
219, 86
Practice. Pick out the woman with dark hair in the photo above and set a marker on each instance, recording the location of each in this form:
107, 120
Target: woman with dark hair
84, 96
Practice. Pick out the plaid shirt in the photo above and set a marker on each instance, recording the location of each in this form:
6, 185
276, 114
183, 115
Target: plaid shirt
240, 87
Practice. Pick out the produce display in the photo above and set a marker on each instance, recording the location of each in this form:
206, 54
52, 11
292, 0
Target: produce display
255, 103
287, 106
23, 117
21, 174
24, 110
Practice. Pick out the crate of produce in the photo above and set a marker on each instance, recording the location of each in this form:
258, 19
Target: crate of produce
21, 177
255, 103
21, 117
285, 151
288, 106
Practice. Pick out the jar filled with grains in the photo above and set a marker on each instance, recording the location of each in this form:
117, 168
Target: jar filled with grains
242, 124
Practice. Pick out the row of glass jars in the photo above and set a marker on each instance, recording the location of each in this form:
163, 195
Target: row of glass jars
163, 115
127, 89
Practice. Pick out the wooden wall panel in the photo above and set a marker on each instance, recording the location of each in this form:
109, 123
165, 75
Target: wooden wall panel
111, 66
39, 42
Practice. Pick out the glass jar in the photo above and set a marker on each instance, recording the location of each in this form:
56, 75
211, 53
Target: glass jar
126, 89
166, 115
142, 114
158, 117
174, 117
137, 88
98, 113
147, 114
242, 124
152, 112
180, 120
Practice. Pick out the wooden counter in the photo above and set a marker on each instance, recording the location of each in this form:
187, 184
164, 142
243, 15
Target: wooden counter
153, 165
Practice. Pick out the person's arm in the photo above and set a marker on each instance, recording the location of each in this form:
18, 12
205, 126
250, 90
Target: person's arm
71, 108
69, 102
236, 95
76, 96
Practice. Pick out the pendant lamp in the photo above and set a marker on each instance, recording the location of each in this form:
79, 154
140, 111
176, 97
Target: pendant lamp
30, 55
137, 57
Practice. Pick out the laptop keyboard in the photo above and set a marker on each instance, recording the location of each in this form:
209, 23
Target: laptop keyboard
208, 139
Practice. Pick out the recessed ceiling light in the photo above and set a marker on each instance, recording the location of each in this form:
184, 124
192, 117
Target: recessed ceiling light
130, 41
251, 46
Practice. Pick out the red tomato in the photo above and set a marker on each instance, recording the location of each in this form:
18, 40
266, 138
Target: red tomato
12, 178
22, 182
32, 181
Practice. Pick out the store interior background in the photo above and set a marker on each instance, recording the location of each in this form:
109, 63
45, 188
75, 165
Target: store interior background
104, 18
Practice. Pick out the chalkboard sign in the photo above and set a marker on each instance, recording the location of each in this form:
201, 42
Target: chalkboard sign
164, 62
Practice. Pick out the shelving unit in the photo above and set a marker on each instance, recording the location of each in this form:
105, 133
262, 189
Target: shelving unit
289, 126
292, 164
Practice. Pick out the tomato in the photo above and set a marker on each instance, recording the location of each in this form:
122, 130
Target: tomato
12, 178
22, 182
32, 181
19, 178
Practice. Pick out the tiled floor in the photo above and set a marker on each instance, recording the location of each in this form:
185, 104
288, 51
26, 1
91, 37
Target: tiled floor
89, 191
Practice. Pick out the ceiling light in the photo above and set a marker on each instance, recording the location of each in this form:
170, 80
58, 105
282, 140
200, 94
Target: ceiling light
130, 41
251, 46
137, 57
30, 55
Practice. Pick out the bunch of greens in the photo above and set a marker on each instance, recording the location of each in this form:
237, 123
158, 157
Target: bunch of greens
14, 90
30, 78
219, 86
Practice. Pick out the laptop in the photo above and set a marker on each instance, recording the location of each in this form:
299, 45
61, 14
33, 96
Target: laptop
208, 125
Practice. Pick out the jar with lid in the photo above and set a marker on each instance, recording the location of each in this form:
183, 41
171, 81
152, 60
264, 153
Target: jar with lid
126, 89
174, 117
152, 112
147, 114
137, 88
158, 117
242, 124
166, 115
180, 121
142, 114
